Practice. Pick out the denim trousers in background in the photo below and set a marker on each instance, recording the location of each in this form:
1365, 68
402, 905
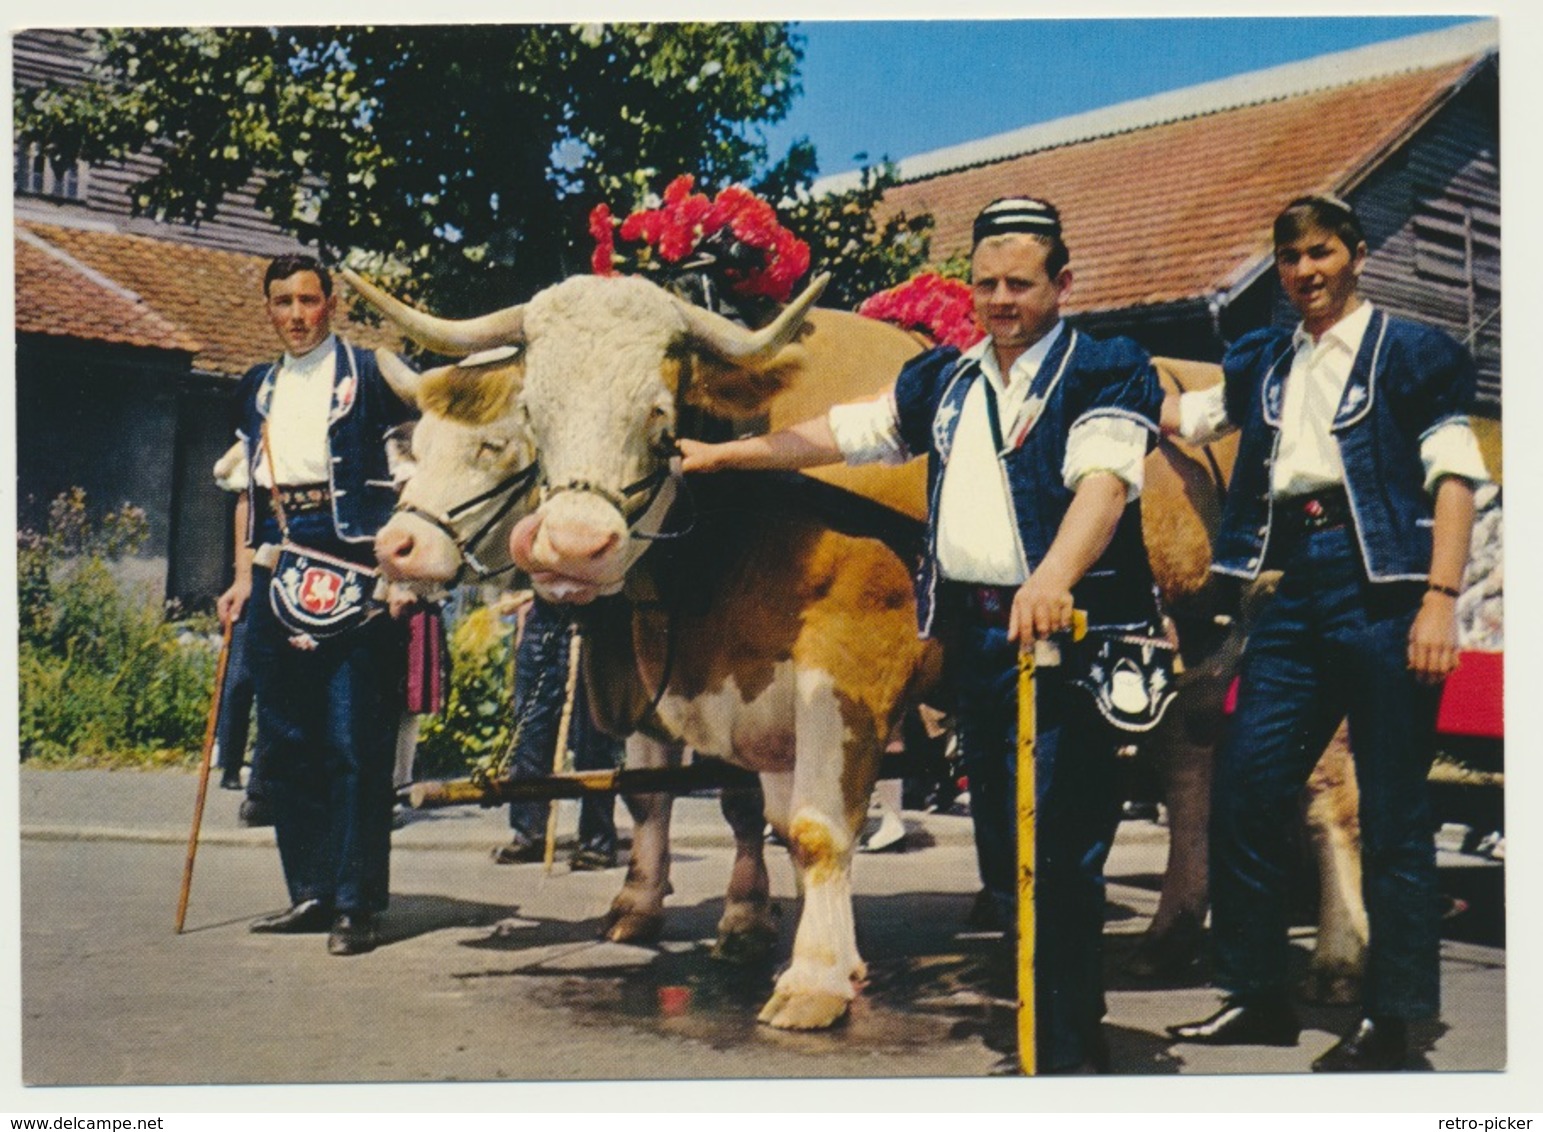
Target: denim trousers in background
1330, 644
1077, 813
328, 718
540, 689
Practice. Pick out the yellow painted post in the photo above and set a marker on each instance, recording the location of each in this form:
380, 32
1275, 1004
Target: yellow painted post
1029, 659
1026, 728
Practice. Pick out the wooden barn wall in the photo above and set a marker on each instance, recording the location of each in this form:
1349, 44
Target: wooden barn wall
56, 57
1432, 219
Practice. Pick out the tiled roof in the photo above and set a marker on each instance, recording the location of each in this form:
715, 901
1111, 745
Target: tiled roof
1142, 209
160, 293
59, 296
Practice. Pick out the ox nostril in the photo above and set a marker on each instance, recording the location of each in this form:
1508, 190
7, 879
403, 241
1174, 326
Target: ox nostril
404, 547
606, 547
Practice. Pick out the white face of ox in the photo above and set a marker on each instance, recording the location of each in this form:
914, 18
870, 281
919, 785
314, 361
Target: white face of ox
603, 362
472, 477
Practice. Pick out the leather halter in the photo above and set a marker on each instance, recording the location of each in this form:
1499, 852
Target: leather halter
514, 487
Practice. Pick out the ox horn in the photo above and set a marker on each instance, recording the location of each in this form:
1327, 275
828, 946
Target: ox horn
733, 343
453, 337
403, 379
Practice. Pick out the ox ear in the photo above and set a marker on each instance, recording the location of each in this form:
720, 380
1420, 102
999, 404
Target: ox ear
405, 381
738, 393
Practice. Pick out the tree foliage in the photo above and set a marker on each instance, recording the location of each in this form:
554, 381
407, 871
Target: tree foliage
467, 157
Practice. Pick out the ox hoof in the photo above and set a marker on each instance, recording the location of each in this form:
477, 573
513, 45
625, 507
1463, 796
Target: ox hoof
1332, 988
745, 947
632, 927
809, 1011
1172, 956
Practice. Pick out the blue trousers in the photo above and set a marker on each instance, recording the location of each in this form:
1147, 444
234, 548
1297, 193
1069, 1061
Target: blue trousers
1330, 645
1078, 811
540, 687
329, 718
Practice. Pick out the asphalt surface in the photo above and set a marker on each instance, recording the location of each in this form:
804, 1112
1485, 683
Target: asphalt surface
493, 973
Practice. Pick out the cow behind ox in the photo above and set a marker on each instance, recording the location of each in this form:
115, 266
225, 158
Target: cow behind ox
769, 639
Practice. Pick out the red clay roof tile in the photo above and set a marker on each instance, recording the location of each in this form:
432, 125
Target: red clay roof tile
1142, 210
210, 301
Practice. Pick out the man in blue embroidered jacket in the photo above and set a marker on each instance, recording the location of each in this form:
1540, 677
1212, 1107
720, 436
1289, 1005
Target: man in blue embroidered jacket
1035, 441
314, 425
1354, 476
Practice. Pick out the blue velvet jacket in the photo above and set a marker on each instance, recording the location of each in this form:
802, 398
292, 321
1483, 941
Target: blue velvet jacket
364, 409
1081, 377
1406, 381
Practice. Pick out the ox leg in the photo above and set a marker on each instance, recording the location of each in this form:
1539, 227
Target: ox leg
637, 913
748, 930
1333, 826
1185, 749
829, 800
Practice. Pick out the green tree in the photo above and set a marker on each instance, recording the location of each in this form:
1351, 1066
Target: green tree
466, 158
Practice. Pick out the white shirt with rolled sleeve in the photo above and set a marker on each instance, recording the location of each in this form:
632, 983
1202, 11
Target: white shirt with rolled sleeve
1308, 460
977, 541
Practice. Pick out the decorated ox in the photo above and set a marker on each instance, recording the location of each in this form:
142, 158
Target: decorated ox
764, 627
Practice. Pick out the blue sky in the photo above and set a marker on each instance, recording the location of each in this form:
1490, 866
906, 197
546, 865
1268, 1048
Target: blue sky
907, 87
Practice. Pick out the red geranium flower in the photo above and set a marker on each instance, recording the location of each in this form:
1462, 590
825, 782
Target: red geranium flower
938, 307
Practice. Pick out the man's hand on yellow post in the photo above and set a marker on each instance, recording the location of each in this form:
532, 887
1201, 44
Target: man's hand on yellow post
1042, 607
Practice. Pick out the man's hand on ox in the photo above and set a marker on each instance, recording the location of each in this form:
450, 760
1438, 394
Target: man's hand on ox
1433, 639
1042, 607
233, 601
696, 456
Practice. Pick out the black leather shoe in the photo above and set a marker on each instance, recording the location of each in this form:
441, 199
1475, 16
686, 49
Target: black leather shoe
230, 780
520, 850
306, 916
1372, 1047
353, 933
1241, 1023
254, 813
591, 860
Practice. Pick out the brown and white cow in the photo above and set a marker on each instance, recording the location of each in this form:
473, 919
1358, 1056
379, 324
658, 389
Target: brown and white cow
799, 649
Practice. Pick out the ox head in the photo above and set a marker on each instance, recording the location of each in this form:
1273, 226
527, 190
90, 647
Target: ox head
609, 364
474, 464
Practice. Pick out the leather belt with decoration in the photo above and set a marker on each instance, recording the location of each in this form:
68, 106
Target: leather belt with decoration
304, 498
1316, 512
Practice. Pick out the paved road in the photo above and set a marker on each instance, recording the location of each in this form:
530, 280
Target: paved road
493, 973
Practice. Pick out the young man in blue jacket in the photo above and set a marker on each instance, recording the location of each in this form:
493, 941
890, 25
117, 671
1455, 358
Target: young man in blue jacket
314, 426
1035, 440
1354, 476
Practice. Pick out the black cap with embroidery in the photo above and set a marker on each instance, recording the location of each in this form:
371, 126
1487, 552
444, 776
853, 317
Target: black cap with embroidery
1017, 214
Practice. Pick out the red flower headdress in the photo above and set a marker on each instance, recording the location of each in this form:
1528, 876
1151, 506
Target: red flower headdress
940, 308
736, 234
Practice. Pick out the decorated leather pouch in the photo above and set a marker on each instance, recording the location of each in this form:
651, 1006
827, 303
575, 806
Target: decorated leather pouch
315, 595
1130, 677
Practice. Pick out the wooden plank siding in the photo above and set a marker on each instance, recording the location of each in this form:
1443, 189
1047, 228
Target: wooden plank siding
1432, 217
56, 57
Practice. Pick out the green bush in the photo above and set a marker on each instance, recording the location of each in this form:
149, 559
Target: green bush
475, 725
106, 676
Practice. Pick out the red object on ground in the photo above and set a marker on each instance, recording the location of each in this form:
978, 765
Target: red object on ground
1472, 703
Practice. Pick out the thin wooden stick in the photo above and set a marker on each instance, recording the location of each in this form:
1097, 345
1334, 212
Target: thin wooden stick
203, 775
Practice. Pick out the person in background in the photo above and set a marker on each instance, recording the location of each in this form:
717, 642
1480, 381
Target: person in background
541, 668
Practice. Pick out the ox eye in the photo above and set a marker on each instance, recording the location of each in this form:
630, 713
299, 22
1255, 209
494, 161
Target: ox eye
492, 448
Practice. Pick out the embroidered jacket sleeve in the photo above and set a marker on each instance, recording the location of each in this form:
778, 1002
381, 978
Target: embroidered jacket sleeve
1118, 425
1444, 391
